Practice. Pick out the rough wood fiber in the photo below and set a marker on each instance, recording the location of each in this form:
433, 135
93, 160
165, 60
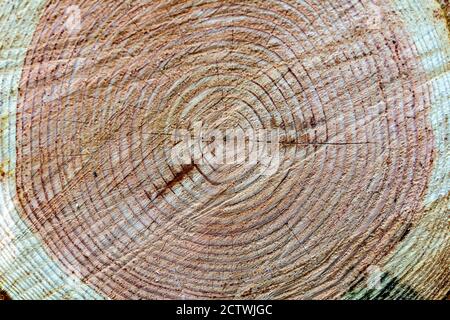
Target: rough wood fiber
94, 207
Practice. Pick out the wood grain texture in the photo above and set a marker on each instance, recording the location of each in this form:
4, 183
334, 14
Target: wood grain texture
95, 206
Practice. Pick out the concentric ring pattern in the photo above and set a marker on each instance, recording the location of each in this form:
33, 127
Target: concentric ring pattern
96, 183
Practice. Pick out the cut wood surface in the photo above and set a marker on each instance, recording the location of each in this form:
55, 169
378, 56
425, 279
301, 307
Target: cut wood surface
354, 204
